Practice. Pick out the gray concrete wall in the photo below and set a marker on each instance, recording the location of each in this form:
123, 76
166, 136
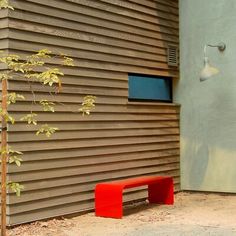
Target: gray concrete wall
208, 118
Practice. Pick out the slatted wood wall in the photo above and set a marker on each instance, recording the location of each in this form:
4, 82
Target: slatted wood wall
107, 39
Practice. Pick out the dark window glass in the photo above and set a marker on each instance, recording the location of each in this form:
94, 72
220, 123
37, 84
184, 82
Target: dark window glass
151, 88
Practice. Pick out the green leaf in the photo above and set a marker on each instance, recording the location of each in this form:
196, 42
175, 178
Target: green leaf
10, 58
50, 76
12, 97
4, 76
47, 106
68, 61
88, 104
15, 187
8, 118
14, 156
30, 118
47, 130
15, 159
18, 163
5, 4
44, 53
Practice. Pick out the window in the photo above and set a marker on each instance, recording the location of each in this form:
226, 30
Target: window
150, 88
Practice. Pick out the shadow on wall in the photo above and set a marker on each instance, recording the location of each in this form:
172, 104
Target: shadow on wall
197, 169
208, 148
171, 31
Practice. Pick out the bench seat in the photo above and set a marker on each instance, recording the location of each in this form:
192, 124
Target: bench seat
109, 195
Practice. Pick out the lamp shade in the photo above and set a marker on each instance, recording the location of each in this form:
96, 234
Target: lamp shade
208, 70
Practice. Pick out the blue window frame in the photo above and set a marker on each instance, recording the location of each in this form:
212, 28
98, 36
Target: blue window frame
150, 88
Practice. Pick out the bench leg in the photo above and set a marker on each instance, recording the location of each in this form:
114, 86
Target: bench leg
161, 192
108, 201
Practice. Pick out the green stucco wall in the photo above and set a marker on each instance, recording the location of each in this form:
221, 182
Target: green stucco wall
208, 109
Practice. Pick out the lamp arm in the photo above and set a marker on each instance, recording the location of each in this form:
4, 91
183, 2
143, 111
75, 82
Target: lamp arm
221, 47
213, 46
205, 50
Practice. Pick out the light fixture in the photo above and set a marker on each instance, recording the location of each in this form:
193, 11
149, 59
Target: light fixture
208, 70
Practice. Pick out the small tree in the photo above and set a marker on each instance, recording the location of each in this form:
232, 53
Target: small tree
33, 69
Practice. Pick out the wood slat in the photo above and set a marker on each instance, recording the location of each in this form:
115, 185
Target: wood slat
62, 144
157, 5
88, 134
143, 9
4, 13
80, 55
170, 3
56, 173
125, 8
75, 21
96, 159
91, 34
72, 98
113, 125
3, 45
26, 106
108, 116
84, 24
99, 151
97, 9
82, 49
111, 66
4, 22
92, 179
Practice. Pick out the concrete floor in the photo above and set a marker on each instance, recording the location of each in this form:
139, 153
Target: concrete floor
193, 214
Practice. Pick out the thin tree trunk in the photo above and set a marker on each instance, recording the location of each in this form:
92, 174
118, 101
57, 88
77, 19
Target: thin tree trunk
4, 159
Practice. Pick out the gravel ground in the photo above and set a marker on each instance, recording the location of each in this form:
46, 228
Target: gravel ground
193, 214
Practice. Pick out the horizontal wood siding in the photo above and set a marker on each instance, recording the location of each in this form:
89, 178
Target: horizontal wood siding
107, 40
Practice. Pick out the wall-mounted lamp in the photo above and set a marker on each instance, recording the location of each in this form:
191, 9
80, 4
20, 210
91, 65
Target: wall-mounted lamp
209, 70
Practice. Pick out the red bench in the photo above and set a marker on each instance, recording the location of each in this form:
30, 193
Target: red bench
108, 196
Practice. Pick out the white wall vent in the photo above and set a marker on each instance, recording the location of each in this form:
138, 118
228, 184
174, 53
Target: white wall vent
172, 55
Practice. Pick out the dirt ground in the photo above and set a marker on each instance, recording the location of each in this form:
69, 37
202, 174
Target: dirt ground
192, 214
